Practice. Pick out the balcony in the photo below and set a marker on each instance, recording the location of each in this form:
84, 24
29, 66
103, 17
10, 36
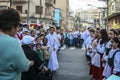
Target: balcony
49, 3
20, 1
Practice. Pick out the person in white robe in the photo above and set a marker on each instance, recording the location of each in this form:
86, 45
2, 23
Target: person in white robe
58, 38
53, 61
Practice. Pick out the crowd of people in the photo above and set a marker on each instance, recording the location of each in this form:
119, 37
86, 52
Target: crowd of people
31, 54
46, 44
103, 52
26, 54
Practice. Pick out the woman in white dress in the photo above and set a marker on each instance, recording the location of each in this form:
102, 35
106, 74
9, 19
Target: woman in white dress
100, 48
107, 70
116, 57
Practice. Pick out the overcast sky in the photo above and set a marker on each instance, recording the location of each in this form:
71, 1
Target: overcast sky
83, 4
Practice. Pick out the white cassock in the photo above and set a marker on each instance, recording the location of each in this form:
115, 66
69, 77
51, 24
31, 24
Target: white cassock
53, 61
58, 38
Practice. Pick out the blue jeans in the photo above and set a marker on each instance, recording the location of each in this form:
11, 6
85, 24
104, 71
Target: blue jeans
71, 42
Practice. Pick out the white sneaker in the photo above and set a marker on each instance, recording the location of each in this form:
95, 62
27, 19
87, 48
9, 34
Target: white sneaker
72, 48
63, 47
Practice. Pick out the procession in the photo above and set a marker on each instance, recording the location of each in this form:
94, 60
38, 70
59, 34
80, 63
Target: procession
80, 46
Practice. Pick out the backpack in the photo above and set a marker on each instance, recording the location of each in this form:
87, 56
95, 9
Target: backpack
111, 60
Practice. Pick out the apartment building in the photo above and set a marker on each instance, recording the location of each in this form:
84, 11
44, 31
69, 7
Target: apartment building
35, 11
114, 14
90, 17
63, 5
4, 4
38, 12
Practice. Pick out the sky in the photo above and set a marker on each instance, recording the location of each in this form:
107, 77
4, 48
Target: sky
83, 4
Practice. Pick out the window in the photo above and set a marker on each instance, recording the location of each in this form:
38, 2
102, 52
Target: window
38, 10
19, 8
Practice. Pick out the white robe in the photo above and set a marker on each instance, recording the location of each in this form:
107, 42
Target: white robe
58, 38
53, 62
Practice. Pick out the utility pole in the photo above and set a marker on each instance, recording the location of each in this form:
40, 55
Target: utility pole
40, 8
28, 10
107, 14
11, 2
40, 13
99, 19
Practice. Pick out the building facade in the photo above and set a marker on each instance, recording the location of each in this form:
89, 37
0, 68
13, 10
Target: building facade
4, 4
40, 11
90, 17
114, 14
63, 5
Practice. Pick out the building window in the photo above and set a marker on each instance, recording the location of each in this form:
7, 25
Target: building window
38, 10
19, 8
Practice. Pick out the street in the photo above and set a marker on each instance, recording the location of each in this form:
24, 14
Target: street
73, 65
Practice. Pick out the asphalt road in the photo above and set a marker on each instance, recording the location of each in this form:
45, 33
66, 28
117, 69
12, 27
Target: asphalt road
73, 65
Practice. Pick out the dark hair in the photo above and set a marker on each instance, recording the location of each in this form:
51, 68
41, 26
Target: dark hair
9, 18
20, 25
88, 28
51, 28
45, 39
38, 44
116, 40
114, 31
104, 36
92, 30
119, 31
32, 31
37, 38
98, 29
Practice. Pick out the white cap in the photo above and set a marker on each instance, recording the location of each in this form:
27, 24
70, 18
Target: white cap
25, 29
28, 39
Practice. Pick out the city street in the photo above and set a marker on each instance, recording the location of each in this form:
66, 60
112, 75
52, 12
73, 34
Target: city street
73, 65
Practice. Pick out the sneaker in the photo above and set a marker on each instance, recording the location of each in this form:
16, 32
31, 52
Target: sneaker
72, 48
